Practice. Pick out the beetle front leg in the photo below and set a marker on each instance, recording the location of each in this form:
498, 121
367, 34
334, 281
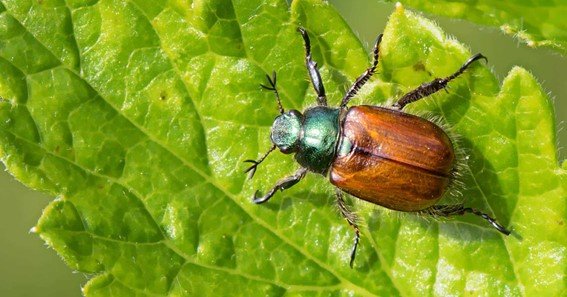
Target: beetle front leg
283, 184
351, 218
312, 69
459, 210
361, 80
435, 85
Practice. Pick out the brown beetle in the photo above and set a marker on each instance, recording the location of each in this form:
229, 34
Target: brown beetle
381, 155
393, 159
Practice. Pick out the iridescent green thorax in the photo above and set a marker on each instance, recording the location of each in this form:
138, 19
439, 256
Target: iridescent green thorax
312, 136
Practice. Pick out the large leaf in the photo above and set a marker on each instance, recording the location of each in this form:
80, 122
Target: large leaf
137, 116
537, 23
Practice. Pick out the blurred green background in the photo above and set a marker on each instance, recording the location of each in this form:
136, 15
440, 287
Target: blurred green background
29, 268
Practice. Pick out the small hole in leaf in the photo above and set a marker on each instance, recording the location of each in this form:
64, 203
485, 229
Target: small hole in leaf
419, 66
163, 95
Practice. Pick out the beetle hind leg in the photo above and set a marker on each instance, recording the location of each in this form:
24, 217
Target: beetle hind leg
459, 210
351, 218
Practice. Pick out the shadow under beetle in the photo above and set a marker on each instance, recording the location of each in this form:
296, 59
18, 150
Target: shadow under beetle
382, 155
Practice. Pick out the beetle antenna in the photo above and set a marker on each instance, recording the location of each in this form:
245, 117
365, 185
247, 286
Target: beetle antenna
272, 87
252, 169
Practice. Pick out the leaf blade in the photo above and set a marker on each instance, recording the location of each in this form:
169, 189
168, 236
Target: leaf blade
536, 24
153, 199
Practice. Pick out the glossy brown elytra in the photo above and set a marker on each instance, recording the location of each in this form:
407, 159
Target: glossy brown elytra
393, 159
379, 154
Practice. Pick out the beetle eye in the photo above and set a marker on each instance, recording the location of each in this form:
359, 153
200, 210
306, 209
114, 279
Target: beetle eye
286, 131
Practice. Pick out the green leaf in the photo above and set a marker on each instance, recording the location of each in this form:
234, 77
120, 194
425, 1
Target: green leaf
536, 23
137, 116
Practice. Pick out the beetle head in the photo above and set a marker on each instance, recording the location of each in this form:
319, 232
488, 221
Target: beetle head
286, 131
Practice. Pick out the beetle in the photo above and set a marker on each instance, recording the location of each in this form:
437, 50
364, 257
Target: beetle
379, 154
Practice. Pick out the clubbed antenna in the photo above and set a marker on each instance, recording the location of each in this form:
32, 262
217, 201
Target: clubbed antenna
272, 87
252, 169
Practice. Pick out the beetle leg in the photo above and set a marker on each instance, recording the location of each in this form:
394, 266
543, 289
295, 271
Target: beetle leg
351, 219
361, 80
459, 210
283, 184
313, 71
435, 85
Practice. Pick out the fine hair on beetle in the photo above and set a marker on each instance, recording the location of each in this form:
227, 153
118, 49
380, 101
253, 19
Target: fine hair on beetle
453, 195
384, 155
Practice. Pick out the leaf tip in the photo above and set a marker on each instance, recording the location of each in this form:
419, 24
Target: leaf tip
519, 72
34, 230
399, 7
